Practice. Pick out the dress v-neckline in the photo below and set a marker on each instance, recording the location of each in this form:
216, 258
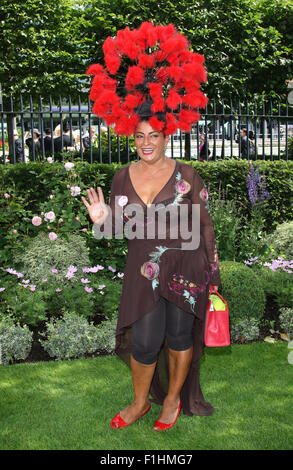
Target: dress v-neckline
146, 205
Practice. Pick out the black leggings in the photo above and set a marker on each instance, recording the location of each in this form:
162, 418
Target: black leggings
166, 319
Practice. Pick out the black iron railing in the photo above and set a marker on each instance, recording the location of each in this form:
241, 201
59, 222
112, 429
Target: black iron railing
65, 130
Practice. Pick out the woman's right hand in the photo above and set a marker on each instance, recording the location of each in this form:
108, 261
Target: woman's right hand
97, 208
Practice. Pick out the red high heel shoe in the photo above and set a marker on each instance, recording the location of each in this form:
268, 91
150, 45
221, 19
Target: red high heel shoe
117, 422
163, 426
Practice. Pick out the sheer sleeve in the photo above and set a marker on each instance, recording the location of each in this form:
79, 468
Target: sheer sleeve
200, 196
113, 225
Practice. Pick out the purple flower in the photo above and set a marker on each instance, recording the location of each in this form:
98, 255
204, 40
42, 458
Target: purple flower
58, 290
2, 289
101, 286
88, 289
84, 281
256, 186
54, 271
111, 269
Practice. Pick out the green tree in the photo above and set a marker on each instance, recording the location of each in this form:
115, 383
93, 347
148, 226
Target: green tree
246, 50
40, 50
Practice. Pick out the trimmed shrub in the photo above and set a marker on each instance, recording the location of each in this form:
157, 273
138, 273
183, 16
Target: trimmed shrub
15, 341
70, 337
286, 320
107, 335
277, 284
245, 331
43, 255
242, 289
282, 240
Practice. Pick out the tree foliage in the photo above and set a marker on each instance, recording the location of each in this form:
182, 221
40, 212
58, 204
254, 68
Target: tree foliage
40, 50
46, 46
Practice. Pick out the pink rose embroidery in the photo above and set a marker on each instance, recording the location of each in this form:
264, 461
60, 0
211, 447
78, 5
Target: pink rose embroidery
182, 187
204, 194
150, 270
122, 201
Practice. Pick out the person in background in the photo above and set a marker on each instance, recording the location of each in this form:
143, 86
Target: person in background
202, 148
48, 141
19, 153
34, 137
86, 139
67, 145
243, 143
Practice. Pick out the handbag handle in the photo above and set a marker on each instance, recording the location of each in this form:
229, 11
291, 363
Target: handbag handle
213, 291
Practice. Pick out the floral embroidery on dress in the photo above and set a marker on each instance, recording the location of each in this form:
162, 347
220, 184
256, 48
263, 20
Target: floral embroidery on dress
186, 288
204, 196
150, 270
215, 265
181, 187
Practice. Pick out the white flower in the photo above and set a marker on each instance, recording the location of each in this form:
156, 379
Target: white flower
49, 216
36, 221
50, 159
75, 190
52, 236
68, 166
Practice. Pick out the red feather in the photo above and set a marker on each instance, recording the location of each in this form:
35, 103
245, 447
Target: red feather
172, 124
173, 100
188, 116
165, 32
156, 123
155, 89
158, 105
174, 72
195, 99
134, 77
95, 69
146, 61
132, 101
147, 33
112, 63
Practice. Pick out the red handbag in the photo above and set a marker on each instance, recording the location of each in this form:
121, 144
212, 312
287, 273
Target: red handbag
217, 323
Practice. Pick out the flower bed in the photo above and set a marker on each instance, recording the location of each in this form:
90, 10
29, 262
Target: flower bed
53, 267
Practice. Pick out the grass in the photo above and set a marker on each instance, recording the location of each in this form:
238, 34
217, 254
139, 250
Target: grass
68, 405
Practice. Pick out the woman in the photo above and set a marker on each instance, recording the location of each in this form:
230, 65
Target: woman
160, 328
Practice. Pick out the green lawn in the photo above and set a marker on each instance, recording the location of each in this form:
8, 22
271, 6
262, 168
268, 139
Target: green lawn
69, 404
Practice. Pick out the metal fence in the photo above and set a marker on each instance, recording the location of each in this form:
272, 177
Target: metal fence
64, 131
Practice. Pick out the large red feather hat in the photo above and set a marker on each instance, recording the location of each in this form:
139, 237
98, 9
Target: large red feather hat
150, 73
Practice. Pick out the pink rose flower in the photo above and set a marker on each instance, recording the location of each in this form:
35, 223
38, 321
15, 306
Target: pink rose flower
36, 221
49, 216
150, 270
14, 231
182, 187
68, 166
52, 236
75, 191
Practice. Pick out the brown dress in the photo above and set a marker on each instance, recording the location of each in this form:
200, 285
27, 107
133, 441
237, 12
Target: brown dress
161, 268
